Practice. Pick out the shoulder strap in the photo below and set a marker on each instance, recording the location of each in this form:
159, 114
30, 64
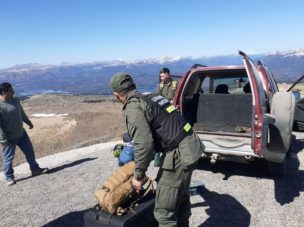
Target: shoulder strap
139, 96
136, 95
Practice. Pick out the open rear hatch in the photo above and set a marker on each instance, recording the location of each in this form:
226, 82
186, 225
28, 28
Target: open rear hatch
222, 118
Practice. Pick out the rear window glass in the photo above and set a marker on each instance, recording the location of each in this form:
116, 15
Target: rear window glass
226, 84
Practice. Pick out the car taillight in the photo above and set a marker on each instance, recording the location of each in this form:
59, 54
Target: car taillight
258, 130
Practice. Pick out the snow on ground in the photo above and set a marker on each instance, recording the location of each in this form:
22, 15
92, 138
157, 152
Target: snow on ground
39, 115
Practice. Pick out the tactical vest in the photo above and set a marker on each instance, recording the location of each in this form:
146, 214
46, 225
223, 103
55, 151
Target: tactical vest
168, 125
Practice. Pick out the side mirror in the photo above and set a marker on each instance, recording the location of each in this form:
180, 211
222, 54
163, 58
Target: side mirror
296, 94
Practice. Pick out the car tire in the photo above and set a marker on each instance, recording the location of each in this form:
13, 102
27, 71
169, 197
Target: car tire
295, 126
291, 146
276, 169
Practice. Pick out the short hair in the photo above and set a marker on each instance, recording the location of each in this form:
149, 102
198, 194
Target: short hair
5, 87
164, 70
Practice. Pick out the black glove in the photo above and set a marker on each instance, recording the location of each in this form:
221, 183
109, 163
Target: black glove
30, 124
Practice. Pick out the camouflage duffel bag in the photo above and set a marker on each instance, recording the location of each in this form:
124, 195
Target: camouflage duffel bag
117, 195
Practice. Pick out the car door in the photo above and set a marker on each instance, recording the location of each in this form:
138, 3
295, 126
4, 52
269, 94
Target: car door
258, 128
298, 124
278, 122
269, 82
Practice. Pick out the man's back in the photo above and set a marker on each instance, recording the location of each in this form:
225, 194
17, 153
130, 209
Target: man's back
139, 107
11, 118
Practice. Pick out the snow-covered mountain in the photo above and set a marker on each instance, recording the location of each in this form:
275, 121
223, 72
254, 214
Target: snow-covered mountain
286, 66
88, 78
289, 53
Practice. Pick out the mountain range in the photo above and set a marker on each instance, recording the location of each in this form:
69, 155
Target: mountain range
93, 78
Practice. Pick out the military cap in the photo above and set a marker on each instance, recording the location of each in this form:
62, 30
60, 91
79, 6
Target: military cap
122, 82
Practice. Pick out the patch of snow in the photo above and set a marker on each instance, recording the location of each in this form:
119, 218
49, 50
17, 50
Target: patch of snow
39, 115
37, 91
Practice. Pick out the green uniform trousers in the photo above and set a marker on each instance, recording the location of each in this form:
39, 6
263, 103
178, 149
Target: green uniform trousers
172, 202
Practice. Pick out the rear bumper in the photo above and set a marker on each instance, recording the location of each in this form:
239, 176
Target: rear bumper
225, 152
242, 151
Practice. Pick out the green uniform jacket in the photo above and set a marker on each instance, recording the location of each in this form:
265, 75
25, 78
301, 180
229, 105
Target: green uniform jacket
12, 117
138, 120
167, 90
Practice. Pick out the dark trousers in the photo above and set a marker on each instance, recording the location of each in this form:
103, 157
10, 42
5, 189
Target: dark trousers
8, 153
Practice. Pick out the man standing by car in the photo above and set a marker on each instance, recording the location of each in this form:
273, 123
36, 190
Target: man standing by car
154, 124
12, 134
167, 86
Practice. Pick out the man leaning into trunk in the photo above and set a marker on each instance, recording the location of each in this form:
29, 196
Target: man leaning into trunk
154, 124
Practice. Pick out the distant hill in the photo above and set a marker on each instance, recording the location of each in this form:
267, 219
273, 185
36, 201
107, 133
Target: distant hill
93, 78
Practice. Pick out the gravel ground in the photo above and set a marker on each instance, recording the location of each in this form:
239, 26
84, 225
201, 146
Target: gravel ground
234, 195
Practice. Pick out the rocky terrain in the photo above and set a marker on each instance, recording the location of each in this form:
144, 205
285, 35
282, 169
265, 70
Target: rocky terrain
63, 122
235, 194
76, 121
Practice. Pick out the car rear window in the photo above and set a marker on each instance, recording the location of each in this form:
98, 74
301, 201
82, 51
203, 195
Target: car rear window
228, 84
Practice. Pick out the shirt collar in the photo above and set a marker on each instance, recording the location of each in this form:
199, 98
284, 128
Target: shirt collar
129, 96
169, 83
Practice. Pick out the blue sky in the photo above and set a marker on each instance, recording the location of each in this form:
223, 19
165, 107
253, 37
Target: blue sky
74, 31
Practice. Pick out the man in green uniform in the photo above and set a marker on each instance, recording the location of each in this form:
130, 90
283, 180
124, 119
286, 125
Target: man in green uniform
167, 86
154, 124
12, 134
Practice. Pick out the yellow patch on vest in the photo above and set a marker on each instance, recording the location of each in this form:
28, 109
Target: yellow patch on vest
170, 109
187, 127
174, 85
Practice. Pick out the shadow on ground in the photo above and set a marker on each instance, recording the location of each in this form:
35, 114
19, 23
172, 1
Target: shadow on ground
141, 215
73, 219
286, 188
289, 187
223, 209
65, 166
68, 165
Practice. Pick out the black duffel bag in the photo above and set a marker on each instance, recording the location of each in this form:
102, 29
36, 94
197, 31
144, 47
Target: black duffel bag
140, 215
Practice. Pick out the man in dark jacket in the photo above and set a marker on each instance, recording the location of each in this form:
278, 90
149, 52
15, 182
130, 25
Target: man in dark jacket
154, 124
12, 134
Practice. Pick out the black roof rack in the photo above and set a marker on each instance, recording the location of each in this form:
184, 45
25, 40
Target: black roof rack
197, 65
